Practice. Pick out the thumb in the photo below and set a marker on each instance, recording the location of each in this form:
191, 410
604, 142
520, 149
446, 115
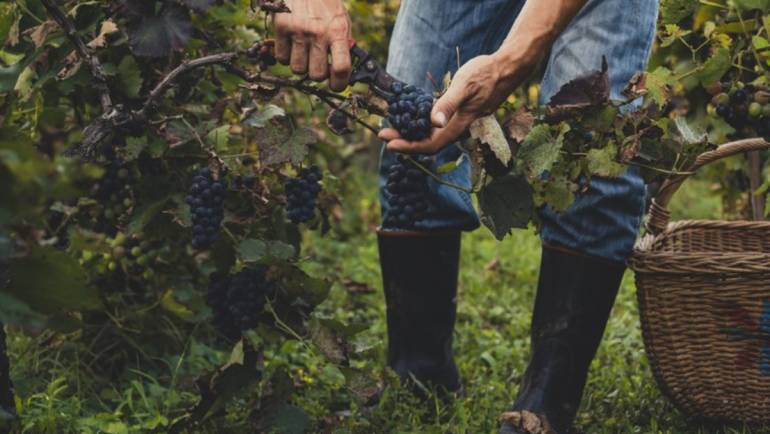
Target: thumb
447, 104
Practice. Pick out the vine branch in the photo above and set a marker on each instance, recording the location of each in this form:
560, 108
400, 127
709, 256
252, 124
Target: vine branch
85, 54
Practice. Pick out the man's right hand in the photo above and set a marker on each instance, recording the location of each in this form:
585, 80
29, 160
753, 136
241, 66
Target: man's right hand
306, 36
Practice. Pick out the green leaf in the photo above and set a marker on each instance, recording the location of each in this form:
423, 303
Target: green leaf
260, 118
539, 150
130, 77
134, 147
658, 84
200, 5
602, 162
276, 148
31, 278
763, 5
506, 203
558, 192
219, 137
253, 250
145, 214
674, 11
715, 67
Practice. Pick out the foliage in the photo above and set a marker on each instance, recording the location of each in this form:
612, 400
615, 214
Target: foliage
108, 110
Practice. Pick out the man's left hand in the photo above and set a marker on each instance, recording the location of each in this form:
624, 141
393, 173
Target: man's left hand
477, 89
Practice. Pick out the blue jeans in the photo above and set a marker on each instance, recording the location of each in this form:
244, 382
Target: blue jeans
430, 36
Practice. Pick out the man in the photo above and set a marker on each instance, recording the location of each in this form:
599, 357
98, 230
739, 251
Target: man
499, 42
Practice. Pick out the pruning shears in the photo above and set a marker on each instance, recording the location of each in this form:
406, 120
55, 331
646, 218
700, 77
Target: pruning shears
366, 70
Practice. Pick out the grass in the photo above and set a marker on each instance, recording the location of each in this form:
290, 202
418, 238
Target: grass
497, 285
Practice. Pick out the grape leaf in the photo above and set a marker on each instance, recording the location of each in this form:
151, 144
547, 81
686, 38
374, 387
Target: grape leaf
585, 91
658, 85
674, 11
488, 131
30, 279
519, 124
130, 77
558, 192
602, 162
281, 143
506, 203
253, 250
763, 5
158, 35
715, 67
539, 150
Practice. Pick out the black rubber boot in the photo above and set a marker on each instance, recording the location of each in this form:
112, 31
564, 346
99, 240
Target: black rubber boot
419, 274
573, 303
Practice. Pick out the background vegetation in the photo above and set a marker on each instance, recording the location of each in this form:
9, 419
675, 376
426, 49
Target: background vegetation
130, 348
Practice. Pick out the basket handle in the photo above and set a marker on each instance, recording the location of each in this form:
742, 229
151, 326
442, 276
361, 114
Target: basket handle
659, 215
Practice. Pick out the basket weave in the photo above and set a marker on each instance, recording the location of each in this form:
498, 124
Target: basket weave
704, 301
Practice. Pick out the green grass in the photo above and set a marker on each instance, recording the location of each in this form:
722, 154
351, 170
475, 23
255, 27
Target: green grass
497, 285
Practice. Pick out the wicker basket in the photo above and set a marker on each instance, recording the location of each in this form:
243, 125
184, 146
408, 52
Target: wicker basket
704, 301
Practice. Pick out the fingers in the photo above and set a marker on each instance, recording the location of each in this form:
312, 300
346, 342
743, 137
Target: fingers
318, 69
282, 39
299, 54
447, 105
341, 64
439, 137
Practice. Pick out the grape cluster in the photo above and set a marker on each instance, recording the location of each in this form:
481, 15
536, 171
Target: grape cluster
206, 200
407, 193
409, 111
238, 300
745, 107
114, 194
132, 255
301, 194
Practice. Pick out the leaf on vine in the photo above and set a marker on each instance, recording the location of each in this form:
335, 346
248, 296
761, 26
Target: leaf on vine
39, 33
539, 150
130, 77
338, 122
658, 85
585, 91
329, 341
217, 388
488, 131
558, 192
636, 87
506, 203
282, 144
200, 5
260, 118
715, 66
159, 35
762, 5
519, 124
30, 279
273, 6
674, 11
254, 250
107, 28
601, 162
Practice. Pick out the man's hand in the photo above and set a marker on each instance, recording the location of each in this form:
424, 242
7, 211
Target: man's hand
477, 89
306, 36
483, 83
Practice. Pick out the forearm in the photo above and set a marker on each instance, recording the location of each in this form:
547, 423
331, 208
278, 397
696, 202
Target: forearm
538, 25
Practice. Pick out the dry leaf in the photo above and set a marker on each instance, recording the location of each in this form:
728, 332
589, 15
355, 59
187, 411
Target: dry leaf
636, 87
519, 124
488, 131
100, 41
71, 66
528, 422
39, 34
